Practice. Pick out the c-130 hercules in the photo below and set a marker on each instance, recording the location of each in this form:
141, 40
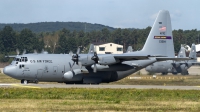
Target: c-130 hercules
60, 68
175, 67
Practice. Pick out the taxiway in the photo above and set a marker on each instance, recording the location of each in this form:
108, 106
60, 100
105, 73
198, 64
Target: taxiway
100, 86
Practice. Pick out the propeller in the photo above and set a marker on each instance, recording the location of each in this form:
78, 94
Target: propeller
76, 56
95, 58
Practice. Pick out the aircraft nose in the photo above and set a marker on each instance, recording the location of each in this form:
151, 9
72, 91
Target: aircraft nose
148, 68
9, 70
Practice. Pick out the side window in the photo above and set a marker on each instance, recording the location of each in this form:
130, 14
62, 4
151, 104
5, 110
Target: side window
119, 48
101, 48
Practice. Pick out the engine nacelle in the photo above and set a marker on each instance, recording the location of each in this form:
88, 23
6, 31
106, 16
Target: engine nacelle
86, 60
69, 75
109, 60
75, 75
118, 67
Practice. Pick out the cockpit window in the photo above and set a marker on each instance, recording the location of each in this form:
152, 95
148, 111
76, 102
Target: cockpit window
26, 59
21, 66
17, 59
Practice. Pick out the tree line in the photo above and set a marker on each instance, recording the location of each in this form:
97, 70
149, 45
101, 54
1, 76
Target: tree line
63, 41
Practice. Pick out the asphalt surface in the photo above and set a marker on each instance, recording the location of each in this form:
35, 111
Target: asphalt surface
15, 85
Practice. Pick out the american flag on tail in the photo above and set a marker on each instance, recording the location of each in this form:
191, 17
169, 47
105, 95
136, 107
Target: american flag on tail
162, 28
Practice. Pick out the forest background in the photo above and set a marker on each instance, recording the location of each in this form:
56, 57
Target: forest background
63, 37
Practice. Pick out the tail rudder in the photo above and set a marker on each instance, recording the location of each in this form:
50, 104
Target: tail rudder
193, 52
181, 53
160, 38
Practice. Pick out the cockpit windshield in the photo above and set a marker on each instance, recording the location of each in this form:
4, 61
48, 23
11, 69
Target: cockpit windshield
21, 59
17, 59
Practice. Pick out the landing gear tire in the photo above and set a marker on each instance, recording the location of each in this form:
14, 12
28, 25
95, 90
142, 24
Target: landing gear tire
164, 73
174, 73
185, 73
24, 81
36, 81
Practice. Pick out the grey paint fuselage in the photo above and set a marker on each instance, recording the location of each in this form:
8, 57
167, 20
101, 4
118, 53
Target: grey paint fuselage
51, 67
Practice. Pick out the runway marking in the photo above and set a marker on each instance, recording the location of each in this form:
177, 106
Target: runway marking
25, 86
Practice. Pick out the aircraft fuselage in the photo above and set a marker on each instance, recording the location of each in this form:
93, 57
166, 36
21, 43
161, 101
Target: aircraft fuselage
52, 67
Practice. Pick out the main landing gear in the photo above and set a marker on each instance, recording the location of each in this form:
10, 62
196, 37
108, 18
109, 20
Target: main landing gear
23, 81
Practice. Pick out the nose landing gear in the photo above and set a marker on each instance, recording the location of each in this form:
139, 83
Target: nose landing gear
23, 81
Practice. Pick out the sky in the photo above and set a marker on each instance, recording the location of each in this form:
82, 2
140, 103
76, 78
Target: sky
185, 14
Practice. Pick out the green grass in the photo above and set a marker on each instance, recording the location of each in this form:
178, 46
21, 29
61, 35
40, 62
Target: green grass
6, 79
110, 95
80, 99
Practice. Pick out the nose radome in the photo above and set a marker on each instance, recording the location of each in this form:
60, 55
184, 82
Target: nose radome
9, 70
147, 68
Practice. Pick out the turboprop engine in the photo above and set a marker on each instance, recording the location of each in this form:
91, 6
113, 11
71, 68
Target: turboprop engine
108, 60
73, 75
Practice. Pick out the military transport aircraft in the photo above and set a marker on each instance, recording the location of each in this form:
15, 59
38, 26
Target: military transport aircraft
175, 67
78, 68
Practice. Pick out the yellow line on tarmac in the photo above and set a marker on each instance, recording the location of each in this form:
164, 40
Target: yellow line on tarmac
196, 86
25, 86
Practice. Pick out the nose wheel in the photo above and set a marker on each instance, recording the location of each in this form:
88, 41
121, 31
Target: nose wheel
23, 81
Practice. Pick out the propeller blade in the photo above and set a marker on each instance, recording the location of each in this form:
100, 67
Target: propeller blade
95, 68
35, 51
70, 53
71, 68
42, 51
78, 50
24, 52
17, 51
80, 64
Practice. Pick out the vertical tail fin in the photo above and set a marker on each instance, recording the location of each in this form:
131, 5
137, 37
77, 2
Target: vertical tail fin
160, 39
129, 49
193, 52
181, 53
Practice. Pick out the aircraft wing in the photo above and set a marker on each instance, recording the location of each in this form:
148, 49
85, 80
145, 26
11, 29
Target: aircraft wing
126, 58
11, 56
136, 56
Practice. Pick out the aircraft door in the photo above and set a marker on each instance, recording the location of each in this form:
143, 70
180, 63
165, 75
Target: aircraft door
55, 70
39, 73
